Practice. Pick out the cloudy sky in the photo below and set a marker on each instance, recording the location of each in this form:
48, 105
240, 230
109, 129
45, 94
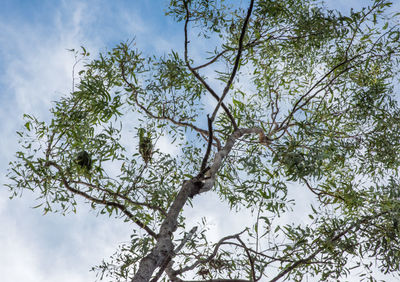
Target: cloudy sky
36, 69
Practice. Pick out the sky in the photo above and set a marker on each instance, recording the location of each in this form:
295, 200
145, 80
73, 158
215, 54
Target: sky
36, 69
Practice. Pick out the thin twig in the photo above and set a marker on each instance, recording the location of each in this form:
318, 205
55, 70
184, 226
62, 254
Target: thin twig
119, 206
251, 261
210, 257
237, 61
197, 75
319, 250
163, 116
115, 194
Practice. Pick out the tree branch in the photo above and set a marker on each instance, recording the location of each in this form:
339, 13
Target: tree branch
251, 261
210, 257
168, 259
197, 75
210, 136
119, 206
319, 250
321, 192
163, 117
219, 280
164, 246
237, 61
115, 194
220, 156
298, 105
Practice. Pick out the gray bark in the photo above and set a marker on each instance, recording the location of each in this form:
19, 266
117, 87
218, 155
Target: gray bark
164, 247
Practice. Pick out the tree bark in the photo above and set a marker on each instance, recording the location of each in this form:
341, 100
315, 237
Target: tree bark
164, 247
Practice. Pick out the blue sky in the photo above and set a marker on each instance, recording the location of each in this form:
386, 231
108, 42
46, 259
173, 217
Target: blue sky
35, 69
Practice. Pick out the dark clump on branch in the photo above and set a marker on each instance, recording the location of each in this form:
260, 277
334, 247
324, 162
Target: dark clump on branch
84, 160
145, 145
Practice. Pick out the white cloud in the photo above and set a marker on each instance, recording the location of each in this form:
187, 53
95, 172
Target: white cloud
36, 70
54, 248
38, 67
165, 145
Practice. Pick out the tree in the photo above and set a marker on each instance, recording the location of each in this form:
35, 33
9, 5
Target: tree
303, 96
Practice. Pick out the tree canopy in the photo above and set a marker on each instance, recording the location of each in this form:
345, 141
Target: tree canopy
287, 93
